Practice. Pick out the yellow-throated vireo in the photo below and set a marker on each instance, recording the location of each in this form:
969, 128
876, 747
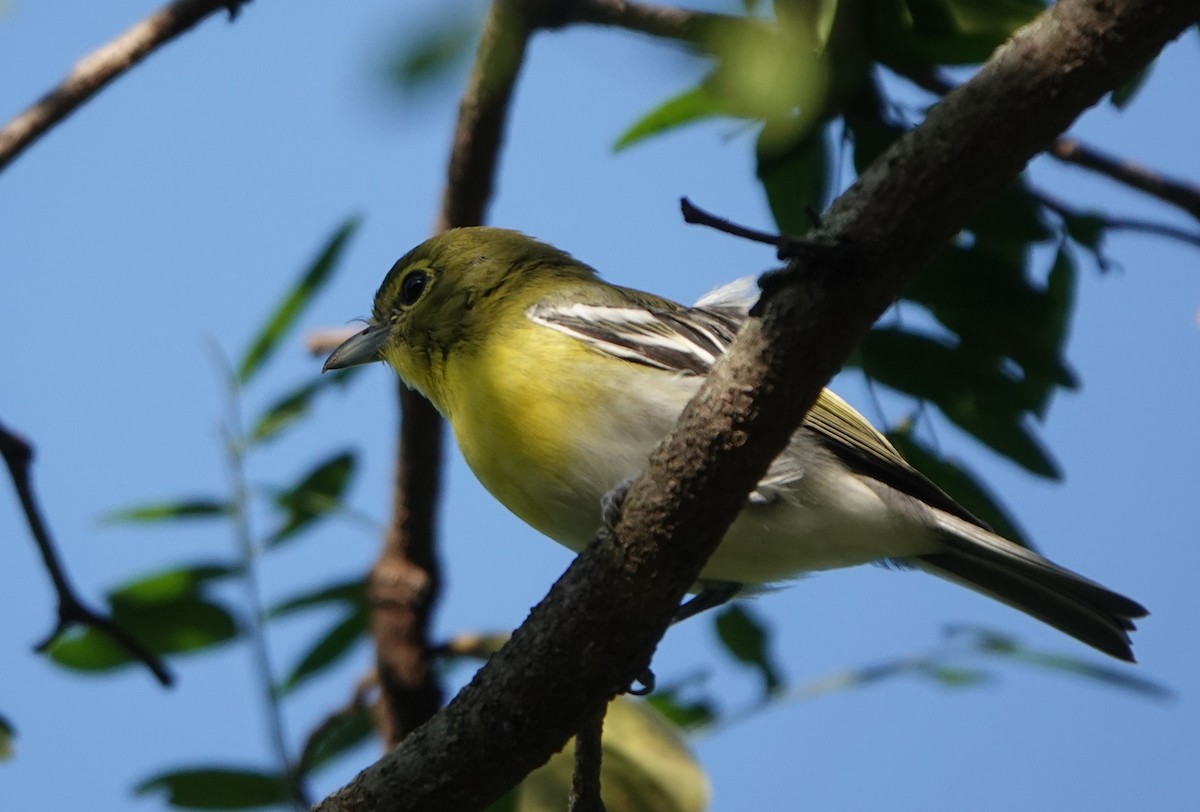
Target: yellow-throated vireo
558, 385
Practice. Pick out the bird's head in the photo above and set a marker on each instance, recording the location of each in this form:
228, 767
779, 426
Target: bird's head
443, 295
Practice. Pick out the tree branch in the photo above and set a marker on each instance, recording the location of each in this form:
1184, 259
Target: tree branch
103, 65
1177, 192
18, 456
580, 645
404, 583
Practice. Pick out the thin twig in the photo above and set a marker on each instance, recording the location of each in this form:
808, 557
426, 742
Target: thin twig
101, 66
667, 22
585, 777
235, 443
698, 216
1062, 208
1175, 191
18, 456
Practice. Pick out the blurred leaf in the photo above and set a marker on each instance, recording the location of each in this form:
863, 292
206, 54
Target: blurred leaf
973, 391
1085, 228
960, 483
294, 405
646, 766
352, 593
689, 106
166, 612
319, 492
795, 177
285, 315
681, 713
983, 294
953, 677
337, 734
771, 73
331, 647
217, 788
747, 639
1110, 675
1014, 216
434, 52
7, 734
506, 803
931, 33
998, 644
1127, 90
181, 582
200, 508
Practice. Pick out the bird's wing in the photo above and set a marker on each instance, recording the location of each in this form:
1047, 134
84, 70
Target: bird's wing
688, 341
679, 339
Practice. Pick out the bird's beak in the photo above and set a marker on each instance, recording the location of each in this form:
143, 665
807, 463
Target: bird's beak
360, 348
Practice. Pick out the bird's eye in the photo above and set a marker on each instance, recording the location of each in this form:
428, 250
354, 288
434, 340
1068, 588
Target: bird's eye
413, 286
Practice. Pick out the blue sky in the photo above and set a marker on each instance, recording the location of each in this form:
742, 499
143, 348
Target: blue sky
175, 208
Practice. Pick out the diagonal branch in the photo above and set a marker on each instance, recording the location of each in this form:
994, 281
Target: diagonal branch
103, 65
18, 456
580, 645
1175, 191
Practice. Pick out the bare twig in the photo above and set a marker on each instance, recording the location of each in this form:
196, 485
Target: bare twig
579, 645
698, 216
585, 777
1062, 208
668, 22
101, 66
1175, 191
18, 456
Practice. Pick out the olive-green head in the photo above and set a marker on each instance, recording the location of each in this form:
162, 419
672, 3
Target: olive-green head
444, 294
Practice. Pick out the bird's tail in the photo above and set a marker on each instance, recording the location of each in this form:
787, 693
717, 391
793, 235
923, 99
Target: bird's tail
1003, 570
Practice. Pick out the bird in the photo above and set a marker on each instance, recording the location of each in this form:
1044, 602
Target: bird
558, 385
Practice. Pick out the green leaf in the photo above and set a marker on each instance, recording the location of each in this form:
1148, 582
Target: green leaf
960, 483
434, 52
972, 390
932, 33
506, 803
983, 293
285, 315
1014, 216
1085, 228
1127, 90
331, 647
218, 788
318, 492
748, 639
1109, 675
795, 176
694, 104
953, 677
351, 593
166, 612
7, 734
334, 736
295, 404
682, 713
196, 508
999, 644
